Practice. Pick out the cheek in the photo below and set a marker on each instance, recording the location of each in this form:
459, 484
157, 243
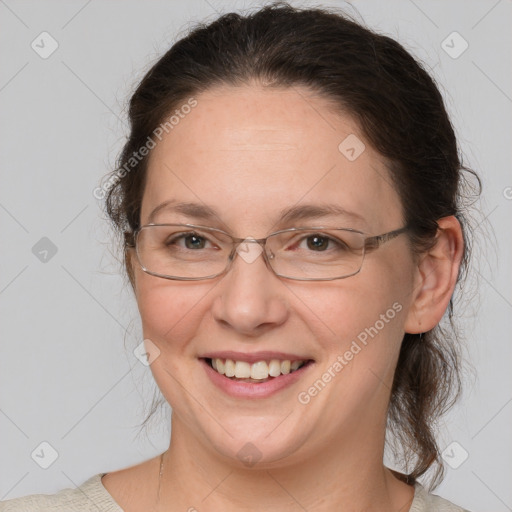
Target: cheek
361, 320
381, 301
171, 312
365, 316
341, 311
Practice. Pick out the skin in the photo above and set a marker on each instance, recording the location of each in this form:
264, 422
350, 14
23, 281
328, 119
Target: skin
266, 150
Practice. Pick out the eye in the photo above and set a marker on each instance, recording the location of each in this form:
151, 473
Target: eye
317, 242
320, 242
191, 240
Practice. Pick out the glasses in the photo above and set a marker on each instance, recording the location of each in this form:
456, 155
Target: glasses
191, 252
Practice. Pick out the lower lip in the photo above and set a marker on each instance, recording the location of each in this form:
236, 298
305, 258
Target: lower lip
240, 389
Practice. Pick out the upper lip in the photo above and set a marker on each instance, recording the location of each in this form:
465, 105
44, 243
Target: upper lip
253, 357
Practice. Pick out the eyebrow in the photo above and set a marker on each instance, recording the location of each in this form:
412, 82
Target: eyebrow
287, 215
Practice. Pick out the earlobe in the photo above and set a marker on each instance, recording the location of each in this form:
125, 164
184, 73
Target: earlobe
437, 274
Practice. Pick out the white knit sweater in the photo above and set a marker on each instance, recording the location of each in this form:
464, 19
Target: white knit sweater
92, 496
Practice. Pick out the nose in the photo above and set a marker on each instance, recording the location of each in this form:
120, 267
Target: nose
251, 298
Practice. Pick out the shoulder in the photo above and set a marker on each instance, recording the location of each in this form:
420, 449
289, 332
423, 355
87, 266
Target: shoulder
91, 495
125, 490
426, 502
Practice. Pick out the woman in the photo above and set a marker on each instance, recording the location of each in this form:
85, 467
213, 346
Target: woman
289, 201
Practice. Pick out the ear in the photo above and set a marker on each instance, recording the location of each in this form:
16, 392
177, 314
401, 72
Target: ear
436, 277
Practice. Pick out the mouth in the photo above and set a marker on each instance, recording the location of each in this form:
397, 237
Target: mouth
257, 372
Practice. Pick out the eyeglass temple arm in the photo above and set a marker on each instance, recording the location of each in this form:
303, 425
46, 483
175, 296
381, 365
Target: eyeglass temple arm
375, 241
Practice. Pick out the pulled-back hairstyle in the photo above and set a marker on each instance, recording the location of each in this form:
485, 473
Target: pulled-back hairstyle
400, 112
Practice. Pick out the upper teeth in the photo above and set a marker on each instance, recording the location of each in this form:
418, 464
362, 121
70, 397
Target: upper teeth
258, 370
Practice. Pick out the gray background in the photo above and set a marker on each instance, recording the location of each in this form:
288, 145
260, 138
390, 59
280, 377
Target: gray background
65, 375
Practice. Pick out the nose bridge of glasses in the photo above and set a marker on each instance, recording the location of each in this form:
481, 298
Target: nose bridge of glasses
248, 248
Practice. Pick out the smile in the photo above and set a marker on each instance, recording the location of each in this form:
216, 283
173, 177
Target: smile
258, 376
260, 371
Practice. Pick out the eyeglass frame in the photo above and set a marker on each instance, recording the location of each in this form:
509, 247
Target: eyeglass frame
372, 242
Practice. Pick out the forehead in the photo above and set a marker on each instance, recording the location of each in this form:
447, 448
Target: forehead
251, 153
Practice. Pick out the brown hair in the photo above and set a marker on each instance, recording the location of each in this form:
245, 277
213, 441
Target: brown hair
400, 111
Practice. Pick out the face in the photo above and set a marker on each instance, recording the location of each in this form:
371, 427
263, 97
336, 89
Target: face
248, 154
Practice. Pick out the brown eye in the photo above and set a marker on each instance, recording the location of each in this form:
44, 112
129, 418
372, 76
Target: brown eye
191, 241
316, 242
194, 242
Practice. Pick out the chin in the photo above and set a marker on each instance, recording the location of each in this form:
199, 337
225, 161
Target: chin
257, 448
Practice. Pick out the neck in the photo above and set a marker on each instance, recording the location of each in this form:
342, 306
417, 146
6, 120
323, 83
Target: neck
348, 476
